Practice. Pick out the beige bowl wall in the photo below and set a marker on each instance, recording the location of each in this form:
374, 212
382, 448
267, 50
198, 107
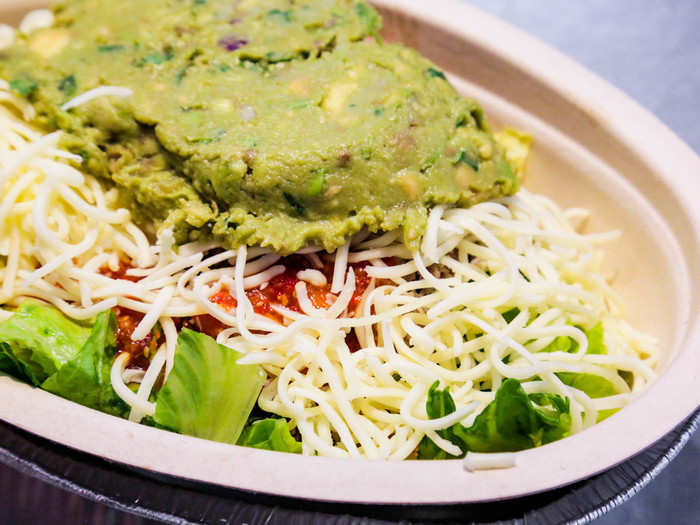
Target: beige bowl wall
594, 148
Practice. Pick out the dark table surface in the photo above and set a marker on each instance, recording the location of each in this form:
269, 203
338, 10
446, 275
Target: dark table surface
648, 48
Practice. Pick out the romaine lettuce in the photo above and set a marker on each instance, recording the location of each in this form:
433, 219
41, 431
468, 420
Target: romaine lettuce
512, 421
270, 434
207, 394
593, 385
595, 340
38, 340
85, 378
565, 343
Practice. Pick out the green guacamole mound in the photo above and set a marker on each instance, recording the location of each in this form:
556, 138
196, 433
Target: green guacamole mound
259, 122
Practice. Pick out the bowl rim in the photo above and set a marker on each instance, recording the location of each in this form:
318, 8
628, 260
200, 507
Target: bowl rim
409, 482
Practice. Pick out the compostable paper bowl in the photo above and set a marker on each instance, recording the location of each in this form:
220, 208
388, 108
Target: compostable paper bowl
594, 148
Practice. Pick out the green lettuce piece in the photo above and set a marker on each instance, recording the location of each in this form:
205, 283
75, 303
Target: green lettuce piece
439, 404
207, 394
8, 364
512, 421
85, 378
427, 449
595, 340
553, 411
38, 340
561, 343
564, 343
510, 314
270, 434
593, 385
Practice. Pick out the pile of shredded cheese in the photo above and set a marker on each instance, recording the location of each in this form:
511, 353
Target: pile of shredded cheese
433, 315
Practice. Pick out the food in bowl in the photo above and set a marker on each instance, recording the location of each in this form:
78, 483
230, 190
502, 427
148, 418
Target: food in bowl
259, 224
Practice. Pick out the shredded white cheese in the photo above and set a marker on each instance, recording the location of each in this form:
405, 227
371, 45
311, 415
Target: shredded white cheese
155, 311
339, 270
312, 277
142, 407
474, 461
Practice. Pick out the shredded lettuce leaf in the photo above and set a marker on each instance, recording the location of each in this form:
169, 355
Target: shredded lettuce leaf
512, 421
561, 343
595, 340
511, 314
594, 386
564, 343
270, 434
8, 364
38, 340
207, 394
85, 378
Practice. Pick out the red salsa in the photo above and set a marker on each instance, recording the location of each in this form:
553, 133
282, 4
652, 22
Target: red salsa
140, 351
280, 290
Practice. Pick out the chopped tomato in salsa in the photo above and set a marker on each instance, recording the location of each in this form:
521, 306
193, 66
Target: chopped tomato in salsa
140, 351
128, 320
280, 290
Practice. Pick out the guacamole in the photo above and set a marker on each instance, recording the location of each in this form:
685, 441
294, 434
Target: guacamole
260, 122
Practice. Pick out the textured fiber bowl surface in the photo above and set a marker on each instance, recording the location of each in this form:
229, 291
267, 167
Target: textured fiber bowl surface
595, 148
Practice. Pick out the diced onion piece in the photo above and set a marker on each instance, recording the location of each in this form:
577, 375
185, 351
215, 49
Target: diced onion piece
247, 113
37, 19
